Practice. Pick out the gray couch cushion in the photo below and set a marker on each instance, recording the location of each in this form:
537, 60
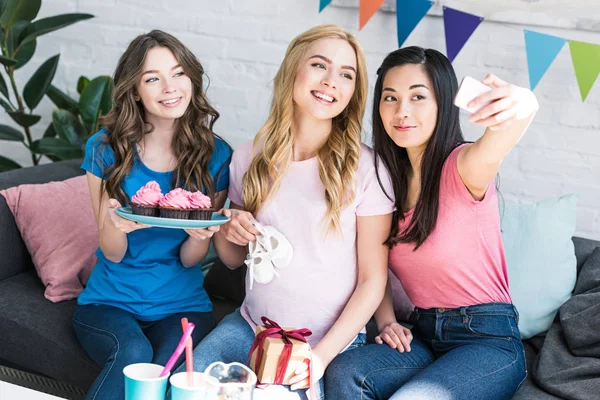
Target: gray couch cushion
529, 390
583, 249
15, 257
38, 334
58, 171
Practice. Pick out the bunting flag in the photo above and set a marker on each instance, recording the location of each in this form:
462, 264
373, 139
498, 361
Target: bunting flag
367, 8
408, 15
458, 26
586, 60
323, 4
541, 51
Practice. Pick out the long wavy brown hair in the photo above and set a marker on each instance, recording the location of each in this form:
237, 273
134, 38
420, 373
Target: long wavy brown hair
193, 141
338, 157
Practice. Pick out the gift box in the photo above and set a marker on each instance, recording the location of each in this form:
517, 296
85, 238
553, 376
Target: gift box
276, 352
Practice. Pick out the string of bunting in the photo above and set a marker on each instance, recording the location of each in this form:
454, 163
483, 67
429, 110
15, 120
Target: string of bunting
541, 48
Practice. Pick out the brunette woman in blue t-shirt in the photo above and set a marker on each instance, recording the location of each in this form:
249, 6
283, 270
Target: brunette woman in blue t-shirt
147, 279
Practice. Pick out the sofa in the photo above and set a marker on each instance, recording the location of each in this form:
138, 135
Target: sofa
36, 335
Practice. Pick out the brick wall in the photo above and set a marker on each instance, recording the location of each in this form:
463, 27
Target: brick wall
242, 42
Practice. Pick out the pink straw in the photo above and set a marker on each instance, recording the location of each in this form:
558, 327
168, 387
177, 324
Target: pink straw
189, 355
186, 335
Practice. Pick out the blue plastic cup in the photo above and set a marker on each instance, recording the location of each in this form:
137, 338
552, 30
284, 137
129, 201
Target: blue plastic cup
142, 382
204, 387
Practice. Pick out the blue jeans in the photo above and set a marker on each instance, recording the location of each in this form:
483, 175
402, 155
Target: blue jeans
470, 353
231, 341
114, 338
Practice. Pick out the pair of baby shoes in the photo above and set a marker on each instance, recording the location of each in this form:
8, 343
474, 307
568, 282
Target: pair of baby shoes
270, 250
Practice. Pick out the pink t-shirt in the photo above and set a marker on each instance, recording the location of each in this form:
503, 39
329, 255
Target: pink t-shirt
462, 262
313, 291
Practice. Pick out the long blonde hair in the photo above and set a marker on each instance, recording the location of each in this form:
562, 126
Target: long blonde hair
338, 157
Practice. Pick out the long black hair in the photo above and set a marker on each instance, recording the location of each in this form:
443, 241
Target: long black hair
447, 135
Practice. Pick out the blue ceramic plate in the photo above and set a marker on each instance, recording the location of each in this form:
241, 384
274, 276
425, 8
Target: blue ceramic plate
217, 219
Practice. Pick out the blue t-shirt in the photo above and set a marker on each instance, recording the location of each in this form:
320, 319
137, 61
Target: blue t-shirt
150, 281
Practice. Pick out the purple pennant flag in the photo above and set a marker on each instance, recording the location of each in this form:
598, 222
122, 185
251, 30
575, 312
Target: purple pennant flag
459, 27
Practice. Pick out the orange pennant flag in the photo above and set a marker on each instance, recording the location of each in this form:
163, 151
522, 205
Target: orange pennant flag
366, 10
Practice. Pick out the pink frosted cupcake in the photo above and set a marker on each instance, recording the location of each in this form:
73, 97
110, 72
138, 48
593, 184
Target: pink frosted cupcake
201, 206
175, 204
145, 201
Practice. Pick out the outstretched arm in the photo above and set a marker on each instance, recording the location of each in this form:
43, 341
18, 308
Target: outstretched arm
506, 118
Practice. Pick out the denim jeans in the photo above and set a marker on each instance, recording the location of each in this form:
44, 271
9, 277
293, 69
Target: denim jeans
231, 341
470, 353
114, 338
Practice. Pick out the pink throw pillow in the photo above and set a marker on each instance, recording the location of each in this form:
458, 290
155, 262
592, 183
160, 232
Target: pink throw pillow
58, 227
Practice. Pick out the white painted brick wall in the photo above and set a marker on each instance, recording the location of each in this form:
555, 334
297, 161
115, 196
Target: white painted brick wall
241, 43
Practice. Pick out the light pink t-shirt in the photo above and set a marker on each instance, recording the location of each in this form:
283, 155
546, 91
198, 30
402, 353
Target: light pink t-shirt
313, 291
462, 262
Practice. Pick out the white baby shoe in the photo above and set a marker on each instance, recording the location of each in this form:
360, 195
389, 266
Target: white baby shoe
260, 267
271, 249
278, 248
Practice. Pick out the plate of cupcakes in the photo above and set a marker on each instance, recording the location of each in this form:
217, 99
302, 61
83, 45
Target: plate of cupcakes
178, 209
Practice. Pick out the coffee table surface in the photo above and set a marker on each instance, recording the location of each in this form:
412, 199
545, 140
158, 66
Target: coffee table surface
10, 391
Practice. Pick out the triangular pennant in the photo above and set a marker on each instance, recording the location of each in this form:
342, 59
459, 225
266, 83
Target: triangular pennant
541, 51
586, 60
366, 10
408, 15
458, 26
323, 4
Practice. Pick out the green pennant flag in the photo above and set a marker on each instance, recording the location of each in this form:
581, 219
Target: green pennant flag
586, 60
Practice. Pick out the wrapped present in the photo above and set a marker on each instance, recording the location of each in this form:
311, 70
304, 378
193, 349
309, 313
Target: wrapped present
276, 352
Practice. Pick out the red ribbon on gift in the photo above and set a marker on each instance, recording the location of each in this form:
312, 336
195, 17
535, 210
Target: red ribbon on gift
273, 330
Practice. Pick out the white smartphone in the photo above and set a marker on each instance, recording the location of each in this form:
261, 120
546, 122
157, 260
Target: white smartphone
469, 89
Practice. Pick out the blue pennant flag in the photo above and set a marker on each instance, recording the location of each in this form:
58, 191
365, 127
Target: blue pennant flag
323, 4
408, 15
541, 51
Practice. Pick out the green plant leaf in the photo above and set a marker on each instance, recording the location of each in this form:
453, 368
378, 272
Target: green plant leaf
96, 97
24, 119
47, 25
3, 87
62, 100
25, 52
49, 132
6, 105
82, 83
7, 164
7, 61
19, 10
39, 82
56, 147
107, 97
68, 127
10, 133
12, 36
89, 128
2, 6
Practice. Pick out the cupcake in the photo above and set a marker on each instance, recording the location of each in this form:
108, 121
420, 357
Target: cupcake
175, 204
201, 206
145, 201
